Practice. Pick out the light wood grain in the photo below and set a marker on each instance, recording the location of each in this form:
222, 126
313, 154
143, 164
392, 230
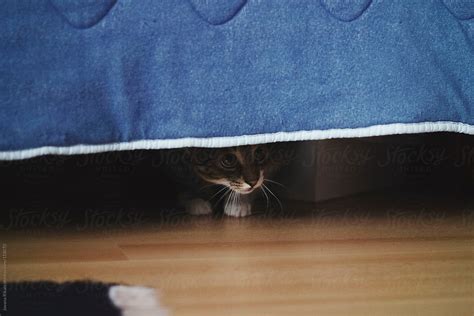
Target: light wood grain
368, 255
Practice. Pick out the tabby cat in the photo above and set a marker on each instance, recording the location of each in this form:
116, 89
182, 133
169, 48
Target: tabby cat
231, 177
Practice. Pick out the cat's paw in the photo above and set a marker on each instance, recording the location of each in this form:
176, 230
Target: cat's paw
198, 207
238, 209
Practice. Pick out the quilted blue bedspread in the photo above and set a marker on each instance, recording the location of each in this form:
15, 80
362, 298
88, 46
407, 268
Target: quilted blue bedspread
80, 76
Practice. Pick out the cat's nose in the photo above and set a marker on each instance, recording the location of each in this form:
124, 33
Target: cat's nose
252, 183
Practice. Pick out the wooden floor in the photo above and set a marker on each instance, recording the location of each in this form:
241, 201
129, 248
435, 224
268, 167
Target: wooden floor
376, 254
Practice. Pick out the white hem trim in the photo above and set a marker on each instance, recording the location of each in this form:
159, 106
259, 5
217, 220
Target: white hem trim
375, 130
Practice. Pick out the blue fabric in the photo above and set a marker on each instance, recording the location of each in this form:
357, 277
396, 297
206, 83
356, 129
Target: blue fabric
96, 72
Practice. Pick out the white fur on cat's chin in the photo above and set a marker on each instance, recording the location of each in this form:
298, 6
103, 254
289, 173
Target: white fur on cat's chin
240, 209
198, 207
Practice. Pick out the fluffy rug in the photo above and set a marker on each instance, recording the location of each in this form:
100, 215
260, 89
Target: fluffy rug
80, 298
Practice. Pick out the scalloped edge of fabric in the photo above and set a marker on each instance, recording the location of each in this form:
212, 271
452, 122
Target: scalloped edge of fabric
213, 142
461, 9
343, 12
89, 18
213, 18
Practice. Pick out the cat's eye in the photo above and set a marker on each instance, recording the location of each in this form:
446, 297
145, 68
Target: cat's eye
229, 161
260, 155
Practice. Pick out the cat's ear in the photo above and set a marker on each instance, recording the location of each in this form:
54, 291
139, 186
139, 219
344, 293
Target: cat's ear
196, 155
187, 151
282, 153
188, 154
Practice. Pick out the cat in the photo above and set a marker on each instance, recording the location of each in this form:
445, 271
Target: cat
231, 176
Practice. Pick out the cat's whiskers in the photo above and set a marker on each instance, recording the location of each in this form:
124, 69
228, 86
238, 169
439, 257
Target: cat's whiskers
217, 193
266, 197
237, 198
223, 195
229, 199
232, 202
209, 185
275, 182
270, 191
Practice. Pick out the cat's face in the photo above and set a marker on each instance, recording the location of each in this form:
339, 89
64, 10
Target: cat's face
241, 169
